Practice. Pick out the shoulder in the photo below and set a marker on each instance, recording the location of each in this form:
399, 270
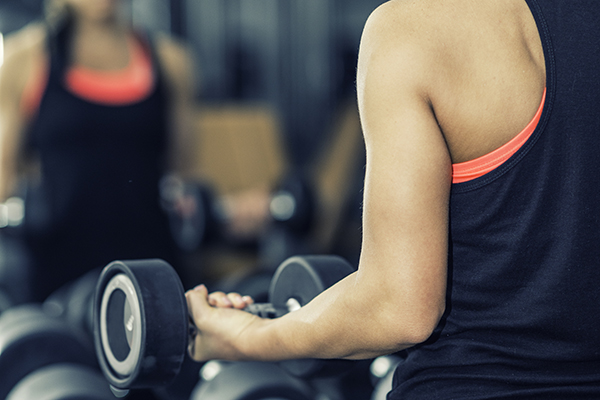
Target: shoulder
391, 24
431, 26
176, 59
398, 46
24, 50
446, 16
467, 60
31, 38
434, 44
405, 20
440, 28
443, 29
409, 33
171, 49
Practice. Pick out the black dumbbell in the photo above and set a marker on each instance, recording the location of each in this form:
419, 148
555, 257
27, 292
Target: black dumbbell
31, 339
62, 382
74, 302
5, 301
191, 224
142, 327
15, 268
291, 209
292, 205
249, 381
382, 373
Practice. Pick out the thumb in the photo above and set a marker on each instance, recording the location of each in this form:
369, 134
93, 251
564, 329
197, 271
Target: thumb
197, 301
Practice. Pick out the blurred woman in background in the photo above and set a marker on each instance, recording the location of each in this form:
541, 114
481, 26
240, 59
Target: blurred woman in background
92, 115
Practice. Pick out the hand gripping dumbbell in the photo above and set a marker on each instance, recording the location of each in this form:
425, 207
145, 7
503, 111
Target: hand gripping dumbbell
197, 215
142, 327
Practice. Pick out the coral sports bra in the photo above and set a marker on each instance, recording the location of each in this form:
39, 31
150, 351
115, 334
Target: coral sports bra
469, 170
116, 87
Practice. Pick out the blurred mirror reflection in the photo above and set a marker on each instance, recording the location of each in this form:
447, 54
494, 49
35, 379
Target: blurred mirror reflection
297, 56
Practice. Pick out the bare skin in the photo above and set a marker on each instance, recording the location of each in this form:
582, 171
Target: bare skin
100, 42
438, 83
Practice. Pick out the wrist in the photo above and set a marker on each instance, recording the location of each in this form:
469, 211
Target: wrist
258, 341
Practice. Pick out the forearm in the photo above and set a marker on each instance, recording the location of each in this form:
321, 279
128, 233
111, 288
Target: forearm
349, 320
182, 81
8, 162
182, 146
12, 125
7, 186
394, 301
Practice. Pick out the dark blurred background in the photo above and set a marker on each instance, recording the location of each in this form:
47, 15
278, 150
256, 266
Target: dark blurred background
275, 99
298, 56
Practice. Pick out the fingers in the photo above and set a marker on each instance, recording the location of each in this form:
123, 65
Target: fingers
247, 211
186, 206
230, 300
214, 322
197, 301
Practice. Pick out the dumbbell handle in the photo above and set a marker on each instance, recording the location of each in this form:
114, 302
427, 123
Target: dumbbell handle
263, 310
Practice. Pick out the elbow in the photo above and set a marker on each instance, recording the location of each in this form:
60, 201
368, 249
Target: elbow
416, 334
419, 326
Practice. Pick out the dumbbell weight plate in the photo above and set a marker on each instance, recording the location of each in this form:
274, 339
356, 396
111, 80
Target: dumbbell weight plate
5, 302
292, 205
120, 308
382, 374
299, 279
252, 381
31, 339
190, 228
62, 382
296, 282
74, 302
140, 323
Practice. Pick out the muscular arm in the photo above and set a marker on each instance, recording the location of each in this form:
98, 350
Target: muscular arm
179, 68
397, 296
22, 52
10, 125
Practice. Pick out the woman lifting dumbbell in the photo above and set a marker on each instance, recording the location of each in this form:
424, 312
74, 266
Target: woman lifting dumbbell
92, 114
481, 202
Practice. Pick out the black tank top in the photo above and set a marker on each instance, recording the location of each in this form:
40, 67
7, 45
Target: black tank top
98, 199
524, 266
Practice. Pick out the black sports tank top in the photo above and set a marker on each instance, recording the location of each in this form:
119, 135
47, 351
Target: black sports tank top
98, 199
524, 264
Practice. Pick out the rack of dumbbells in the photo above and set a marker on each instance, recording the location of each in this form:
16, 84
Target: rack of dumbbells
124, 331
46, 350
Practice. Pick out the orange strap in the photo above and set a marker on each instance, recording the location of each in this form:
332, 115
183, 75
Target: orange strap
121, 87
114, 87
469, 170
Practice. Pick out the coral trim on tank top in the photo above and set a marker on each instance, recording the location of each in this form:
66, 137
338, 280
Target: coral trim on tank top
119, 87
469, 170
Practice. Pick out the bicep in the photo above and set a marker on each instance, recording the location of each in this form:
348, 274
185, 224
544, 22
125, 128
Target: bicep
408, 174
11, 126
180, 70
405, 219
